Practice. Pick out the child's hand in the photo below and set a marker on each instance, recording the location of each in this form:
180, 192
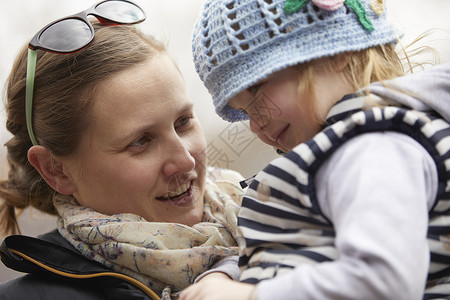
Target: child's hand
218, 286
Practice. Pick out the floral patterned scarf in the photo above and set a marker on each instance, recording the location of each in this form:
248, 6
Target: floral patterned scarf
160, 255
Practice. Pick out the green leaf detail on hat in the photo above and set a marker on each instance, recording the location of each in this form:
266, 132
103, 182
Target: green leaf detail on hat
360, 11
292, 6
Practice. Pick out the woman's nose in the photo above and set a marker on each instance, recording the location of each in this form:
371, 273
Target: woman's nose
179, 159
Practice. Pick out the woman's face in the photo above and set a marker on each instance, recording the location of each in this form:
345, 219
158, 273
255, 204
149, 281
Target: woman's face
281, 113
145, 151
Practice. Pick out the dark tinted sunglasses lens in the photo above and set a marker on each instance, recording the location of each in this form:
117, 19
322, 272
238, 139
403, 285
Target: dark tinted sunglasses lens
67, 35
120, 11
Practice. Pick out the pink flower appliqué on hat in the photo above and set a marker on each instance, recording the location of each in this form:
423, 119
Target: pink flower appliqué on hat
293, 6
329, 4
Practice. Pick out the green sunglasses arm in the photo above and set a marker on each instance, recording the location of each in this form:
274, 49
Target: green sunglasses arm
31, 69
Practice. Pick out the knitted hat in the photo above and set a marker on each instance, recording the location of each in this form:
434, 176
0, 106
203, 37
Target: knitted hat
237, 43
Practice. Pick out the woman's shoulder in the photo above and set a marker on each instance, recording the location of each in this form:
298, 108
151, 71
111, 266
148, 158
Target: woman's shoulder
57, 271
51, 287
46, 286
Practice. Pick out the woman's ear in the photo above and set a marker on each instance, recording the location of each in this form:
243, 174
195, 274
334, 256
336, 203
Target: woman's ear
51, 169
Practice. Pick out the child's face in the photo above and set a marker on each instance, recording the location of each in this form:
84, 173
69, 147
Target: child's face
281, 113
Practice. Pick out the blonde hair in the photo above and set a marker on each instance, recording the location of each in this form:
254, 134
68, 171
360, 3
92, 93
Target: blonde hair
376, 64
64, 85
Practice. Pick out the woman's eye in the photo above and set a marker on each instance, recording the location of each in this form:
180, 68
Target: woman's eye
183, 121
141, 141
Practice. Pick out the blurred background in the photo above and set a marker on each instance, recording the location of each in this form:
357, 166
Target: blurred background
229, 146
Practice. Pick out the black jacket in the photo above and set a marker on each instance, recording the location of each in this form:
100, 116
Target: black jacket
57, 271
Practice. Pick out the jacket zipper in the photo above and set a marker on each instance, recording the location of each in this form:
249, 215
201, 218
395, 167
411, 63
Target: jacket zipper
128, 279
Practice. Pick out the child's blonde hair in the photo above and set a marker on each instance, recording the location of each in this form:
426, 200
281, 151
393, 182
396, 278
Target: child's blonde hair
360, 68
376, 64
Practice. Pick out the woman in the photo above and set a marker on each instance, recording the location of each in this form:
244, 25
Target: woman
107, 140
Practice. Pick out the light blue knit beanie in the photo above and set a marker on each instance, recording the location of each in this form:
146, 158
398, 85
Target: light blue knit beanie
237, 43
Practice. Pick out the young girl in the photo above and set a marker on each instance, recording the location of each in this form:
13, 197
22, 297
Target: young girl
359, 206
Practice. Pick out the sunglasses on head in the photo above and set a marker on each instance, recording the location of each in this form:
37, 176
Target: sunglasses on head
71, 34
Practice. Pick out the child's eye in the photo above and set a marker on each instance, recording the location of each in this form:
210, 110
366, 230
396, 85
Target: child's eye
254, 88
243, 111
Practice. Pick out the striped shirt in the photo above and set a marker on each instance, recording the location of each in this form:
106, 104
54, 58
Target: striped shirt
281, 220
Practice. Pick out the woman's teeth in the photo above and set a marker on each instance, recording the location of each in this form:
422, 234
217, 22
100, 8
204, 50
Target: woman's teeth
179, 191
